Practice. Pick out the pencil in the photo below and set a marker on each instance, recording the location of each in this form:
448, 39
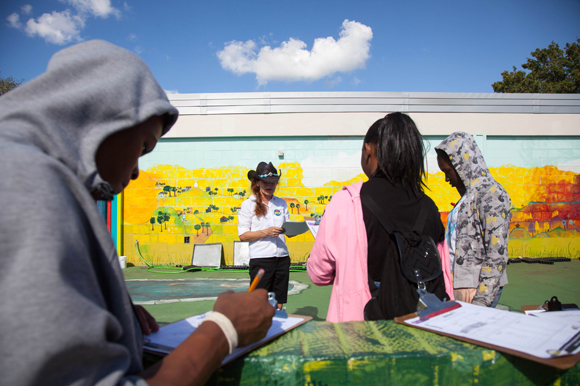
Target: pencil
256, 280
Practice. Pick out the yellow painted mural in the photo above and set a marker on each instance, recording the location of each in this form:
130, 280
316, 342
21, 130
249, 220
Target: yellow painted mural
168, 209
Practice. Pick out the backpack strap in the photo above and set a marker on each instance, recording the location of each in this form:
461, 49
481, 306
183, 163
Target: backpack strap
421, 220
385, 221
371, 204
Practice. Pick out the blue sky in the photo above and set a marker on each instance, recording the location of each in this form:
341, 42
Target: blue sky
272, 46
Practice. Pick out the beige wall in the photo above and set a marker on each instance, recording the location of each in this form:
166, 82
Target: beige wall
346, 124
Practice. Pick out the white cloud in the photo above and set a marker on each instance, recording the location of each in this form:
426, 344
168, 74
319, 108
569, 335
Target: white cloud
132, 37
330, 83
99, 8
292, 62
14, 21
61, 27
56, 27
171, 91
319, 170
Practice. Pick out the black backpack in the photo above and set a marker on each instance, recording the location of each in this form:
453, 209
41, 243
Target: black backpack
418, 266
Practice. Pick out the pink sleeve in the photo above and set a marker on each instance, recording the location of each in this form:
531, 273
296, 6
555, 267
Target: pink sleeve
321, 264
443, 249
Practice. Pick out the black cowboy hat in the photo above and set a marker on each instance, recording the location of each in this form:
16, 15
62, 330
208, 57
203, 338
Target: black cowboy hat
265, 172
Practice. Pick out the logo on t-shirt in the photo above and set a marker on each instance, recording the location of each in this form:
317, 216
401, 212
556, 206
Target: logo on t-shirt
277, 212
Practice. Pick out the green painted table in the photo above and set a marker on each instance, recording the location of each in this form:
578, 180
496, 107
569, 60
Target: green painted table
382, 353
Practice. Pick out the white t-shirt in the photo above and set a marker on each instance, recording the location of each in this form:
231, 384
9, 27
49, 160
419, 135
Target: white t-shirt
451, 233
276, 215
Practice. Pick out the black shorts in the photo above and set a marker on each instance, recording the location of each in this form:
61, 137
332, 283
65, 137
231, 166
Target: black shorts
276, 275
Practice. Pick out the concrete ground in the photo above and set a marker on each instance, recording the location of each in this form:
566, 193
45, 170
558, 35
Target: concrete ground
528, 284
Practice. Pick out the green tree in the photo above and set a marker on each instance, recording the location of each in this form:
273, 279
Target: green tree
552, 71
7, 84
306, 202
292, 207
197, 227
166, 218
160, 220
152, 221
298, 208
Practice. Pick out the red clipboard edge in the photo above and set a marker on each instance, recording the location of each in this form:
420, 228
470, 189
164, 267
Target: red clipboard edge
562, 363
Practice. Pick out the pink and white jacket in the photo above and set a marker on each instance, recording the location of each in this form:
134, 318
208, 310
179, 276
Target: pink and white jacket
340, 254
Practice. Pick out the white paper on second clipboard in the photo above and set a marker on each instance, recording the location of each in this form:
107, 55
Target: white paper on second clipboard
532, 335
312, 224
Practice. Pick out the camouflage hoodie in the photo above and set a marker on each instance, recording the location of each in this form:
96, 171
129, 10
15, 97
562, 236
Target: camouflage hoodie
482, 221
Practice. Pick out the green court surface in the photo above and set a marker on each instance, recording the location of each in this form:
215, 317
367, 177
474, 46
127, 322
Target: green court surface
529, 284
383, 352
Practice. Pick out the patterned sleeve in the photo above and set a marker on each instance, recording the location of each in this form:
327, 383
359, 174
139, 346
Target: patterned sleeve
494, 214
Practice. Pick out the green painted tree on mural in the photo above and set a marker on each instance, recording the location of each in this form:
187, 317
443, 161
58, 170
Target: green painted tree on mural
197, 227
292, 207
298, 208
306, 202
166, 218
152, 221
160, 220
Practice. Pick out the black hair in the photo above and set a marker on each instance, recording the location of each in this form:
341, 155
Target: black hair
400, 151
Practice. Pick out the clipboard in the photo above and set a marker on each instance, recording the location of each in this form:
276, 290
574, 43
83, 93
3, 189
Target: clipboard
312, 224
161, 348
562, 363
292, 228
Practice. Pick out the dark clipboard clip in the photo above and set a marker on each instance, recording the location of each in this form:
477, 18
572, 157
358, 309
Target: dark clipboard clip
429, 305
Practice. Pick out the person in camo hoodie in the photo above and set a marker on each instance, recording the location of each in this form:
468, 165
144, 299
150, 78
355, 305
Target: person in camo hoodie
478, 226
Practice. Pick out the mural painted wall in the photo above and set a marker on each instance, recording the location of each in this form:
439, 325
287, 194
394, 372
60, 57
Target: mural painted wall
189, 191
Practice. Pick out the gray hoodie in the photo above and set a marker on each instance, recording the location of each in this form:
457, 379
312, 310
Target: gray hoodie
66, 316
483, 221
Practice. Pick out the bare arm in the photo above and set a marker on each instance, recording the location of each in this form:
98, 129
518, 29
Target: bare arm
257, 235
193, 361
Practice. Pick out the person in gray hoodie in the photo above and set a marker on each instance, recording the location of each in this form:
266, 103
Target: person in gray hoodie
478, 226
70, 136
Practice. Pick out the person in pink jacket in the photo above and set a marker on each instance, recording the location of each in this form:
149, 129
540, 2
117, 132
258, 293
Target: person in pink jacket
352, 248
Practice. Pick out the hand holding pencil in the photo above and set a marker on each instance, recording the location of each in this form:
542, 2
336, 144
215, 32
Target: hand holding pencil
249, 312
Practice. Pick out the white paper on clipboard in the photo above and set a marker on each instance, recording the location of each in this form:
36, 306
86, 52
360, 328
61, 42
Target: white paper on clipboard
313, 225
528, 334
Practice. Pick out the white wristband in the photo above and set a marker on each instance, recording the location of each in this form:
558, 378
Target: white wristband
227, 327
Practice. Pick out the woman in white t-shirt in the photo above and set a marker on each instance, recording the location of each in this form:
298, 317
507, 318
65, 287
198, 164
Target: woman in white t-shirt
260, 222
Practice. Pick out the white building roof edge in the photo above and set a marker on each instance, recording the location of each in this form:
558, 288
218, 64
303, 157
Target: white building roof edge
344, 102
